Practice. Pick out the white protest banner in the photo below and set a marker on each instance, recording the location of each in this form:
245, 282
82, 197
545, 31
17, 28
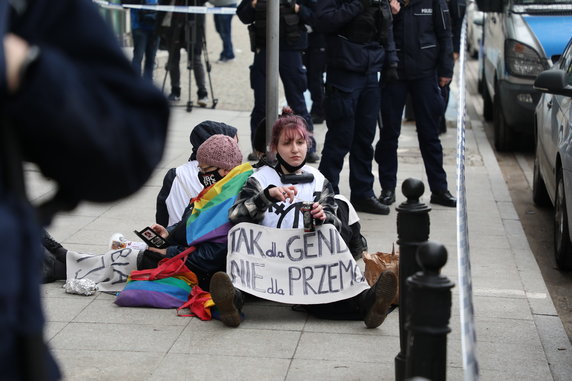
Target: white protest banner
292, 266
109, 270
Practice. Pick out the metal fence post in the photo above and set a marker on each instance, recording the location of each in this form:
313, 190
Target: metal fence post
412, 232
428, 314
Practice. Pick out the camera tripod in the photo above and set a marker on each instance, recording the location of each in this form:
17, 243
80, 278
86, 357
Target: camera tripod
191, 37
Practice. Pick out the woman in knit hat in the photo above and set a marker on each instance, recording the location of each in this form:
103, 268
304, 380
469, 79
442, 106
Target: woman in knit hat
181, 184
216, 157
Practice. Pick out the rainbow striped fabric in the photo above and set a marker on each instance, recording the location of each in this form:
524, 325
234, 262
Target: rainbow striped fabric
170, 292
209, 219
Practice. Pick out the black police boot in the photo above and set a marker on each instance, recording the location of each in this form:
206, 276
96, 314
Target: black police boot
369, 205
228, 299
375, 302
444, 198
387, 196
312, 157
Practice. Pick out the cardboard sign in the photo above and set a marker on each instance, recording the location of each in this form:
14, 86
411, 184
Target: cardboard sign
291, 266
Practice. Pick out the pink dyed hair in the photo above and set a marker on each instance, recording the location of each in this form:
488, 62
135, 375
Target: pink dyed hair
292, 125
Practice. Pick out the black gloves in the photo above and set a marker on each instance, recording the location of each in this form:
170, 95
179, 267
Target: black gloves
389, 74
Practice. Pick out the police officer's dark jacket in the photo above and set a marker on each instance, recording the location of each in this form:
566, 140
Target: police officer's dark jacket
293, 35
358, 38
422, 32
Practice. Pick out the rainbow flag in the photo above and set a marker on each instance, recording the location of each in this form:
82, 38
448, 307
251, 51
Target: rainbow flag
209, 219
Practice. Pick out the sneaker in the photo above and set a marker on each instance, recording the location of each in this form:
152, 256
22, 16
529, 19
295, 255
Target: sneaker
227, 299
173, 98
118, 242
224, 60
377, 300
203, 101
54, 247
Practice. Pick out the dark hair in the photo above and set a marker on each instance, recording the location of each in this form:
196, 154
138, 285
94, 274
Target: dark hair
205, 130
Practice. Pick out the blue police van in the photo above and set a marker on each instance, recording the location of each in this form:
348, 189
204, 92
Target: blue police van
520, 37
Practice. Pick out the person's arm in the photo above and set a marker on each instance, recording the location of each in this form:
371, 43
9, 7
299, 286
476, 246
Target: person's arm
442, 28
97, 128
162, 213
251, 203
245, 11
330, 16
329, 206
305, 10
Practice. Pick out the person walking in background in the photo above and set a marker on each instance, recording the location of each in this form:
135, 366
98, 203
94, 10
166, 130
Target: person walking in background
293, 40
314, 59
223, 26
359, 44
145, 38
422, 71
70, 101
186, 31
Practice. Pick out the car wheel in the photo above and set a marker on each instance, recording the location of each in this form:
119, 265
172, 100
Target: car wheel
562, 245
487, 101
503, 132
539, 193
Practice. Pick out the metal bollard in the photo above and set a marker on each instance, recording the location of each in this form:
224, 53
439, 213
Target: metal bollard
412, 232
428, 314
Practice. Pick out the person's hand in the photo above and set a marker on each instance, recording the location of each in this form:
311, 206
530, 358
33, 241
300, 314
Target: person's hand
160, 251
318, 212
389, 75
394, 6
15, 50
253, 3
455, 56
296, 7
283, 193
444, 81
161, 230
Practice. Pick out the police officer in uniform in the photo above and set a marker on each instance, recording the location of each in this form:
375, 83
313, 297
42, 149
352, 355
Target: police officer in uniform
293, 40
359, 44
422, 32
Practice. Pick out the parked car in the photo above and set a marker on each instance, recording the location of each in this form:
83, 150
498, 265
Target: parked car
552, 180
475, 20
520, 36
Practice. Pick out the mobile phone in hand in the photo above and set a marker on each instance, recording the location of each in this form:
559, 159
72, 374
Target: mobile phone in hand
151, 238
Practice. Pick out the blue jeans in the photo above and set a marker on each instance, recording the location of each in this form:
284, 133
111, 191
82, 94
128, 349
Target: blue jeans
223, 28
144, 43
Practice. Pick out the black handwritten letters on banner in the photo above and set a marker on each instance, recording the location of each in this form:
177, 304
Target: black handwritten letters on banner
291, 266
109, 270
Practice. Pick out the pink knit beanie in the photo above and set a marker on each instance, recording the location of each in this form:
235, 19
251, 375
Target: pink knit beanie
219, 151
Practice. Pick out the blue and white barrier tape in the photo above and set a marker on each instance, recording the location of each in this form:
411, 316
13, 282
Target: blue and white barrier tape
169, 8
469, 340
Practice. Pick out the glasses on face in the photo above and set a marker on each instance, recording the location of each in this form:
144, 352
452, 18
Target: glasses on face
206, 168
